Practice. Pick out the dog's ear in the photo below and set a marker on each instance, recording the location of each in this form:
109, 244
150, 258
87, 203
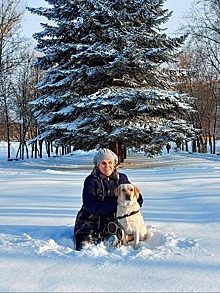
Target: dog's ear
117, 191
136, 191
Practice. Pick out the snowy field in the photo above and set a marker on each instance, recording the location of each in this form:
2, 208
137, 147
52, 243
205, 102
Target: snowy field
39, 200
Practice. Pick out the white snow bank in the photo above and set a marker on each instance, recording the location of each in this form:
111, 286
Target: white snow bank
39, 200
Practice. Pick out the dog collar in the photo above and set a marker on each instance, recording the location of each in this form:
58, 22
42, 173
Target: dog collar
128, 215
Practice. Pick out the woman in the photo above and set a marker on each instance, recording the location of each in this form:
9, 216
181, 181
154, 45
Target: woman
99, 202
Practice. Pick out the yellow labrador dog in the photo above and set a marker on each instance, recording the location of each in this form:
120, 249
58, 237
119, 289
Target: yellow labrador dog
129, 214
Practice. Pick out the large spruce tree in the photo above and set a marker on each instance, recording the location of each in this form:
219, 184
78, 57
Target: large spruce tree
105, 77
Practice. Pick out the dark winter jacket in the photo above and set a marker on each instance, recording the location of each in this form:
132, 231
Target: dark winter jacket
99, 202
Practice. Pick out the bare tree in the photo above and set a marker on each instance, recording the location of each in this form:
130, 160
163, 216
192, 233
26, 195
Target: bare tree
201, 84
11, 45
203, 58
24, 90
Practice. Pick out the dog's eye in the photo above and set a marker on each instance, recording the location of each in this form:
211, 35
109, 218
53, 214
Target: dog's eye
123, 189
131, 189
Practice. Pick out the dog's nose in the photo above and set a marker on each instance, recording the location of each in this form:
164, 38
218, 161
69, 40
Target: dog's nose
127, 196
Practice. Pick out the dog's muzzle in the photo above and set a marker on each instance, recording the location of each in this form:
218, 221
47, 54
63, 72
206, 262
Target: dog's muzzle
127, 197
115, 229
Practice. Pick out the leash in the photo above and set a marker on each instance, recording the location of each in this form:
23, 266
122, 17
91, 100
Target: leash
128, 215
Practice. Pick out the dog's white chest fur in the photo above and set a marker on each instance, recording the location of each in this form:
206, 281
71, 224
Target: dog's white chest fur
133, 222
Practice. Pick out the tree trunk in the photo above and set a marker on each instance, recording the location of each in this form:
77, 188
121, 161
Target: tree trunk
194, 150
214, 150
115, 147
41, 149
210, 142
35, 149
120, 159
186, 145
63, 150
48, 149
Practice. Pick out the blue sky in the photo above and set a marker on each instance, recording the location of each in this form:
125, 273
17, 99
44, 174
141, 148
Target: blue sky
179, 8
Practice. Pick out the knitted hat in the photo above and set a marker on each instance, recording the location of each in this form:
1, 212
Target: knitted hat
105, 154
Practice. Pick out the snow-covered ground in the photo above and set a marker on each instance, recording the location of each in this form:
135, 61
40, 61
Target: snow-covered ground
39, 200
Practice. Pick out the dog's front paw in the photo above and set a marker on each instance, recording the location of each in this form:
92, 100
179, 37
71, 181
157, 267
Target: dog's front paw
136, 246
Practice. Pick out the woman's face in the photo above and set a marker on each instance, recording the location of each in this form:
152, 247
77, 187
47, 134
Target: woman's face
106, 167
